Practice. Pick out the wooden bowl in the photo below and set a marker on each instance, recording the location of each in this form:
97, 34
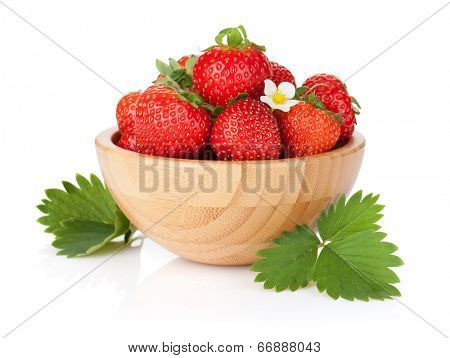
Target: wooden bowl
222, 212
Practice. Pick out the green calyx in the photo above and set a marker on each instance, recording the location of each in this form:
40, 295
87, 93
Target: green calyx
240, 96
173, 70
179, 79
304, 94
236, 37
307, 95
193, 98
196, 101
355, 105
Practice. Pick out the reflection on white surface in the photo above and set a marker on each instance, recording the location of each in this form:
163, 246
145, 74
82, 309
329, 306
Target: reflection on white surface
154, 285
186, 291
123, 269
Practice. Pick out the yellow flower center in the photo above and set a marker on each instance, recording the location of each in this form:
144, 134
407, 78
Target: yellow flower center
279, 98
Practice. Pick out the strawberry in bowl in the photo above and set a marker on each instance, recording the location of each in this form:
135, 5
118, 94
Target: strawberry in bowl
332, 92
246, 130
159, 122
281, 74
226, 70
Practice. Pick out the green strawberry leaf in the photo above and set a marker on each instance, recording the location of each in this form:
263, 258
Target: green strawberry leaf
354, 262
91, 201
82, 218
82, 237
346, 218
358, 267
290, 264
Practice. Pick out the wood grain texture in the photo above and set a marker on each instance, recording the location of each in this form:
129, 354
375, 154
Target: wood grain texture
219, 212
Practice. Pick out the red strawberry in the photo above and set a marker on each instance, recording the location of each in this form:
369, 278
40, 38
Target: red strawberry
246, 130
334, 96
127, 141
306, 130
223, 72
182, 61
281, 74
325, 79
126, 110
167, 125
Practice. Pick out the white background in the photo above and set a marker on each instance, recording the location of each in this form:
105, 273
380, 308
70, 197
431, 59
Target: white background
51, 108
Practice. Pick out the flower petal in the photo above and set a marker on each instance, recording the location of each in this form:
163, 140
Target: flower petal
268, 100
282, 107
270, 88
287, 88
290, 102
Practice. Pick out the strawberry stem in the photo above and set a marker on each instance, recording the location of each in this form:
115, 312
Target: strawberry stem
236, 37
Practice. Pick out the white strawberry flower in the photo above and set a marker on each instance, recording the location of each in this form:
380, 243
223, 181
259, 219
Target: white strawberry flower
279, 97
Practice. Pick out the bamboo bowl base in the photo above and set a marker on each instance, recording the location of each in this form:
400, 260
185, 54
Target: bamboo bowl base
219, 212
